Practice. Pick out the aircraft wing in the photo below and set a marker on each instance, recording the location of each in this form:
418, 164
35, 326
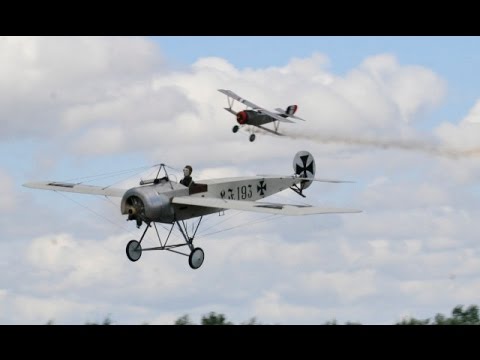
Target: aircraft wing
269, 130
76, 188
231, 94
255, 206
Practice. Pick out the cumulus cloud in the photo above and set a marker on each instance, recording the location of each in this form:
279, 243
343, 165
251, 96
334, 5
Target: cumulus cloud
7, 194
474, 115
44, 77
464, 134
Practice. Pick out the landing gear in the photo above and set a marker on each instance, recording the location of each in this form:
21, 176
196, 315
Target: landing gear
195, 260
195, 257
134, 250
235, 128
252, 138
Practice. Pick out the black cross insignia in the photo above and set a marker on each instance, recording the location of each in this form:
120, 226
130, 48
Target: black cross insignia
299, 170
262, 187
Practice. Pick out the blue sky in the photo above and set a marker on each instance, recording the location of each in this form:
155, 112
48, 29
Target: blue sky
387, 112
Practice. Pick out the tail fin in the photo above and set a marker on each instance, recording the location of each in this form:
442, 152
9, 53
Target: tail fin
304, 166
291, 110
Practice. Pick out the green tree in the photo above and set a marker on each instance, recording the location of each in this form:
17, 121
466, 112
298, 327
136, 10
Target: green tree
106, 321
215, 319
469, 316
413, 321
183, 320
252, 321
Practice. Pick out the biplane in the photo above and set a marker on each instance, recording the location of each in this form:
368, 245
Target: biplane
162, 200
257, 116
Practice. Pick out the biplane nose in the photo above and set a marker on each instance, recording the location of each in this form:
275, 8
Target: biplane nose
242, 117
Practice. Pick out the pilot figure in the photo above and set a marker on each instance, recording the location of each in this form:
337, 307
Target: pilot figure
187, 172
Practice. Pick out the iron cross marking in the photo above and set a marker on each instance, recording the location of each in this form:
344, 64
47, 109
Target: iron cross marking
305, 168
262, 187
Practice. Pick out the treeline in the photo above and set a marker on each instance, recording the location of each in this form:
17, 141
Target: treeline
459, 316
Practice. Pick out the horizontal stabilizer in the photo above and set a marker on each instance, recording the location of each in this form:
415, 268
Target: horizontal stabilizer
309, 179
283, 113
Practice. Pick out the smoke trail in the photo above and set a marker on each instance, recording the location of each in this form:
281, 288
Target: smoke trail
403, 144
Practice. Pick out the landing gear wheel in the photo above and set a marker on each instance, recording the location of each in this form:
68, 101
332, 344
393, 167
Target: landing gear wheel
252, 137
134, 250
235, 128
195, 260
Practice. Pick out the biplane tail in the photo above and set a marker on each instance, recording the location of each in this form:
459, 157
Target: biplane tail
289, 112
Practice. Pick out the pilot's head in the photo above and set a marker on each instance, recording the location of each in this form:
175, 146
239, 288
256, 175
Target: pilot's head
187, 170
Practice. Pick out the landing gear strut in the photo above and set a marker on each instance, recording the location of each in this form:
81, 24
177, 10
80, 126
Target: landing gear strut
195, 258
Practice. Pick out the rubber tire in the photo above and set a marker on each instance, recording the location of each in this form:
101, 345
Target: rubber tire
195, 256
132, 252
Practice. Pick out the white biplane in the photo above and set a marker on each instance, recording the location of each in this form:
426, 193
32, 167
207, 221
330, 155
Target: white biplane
162, 200
258, 116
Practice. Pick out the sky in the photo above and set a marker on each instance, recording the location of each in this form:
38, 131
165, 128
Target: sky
399, 116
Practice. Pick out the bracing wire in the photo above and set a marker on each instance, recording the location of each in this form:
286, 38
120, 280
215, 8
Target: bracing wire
110, 174
96, 213
264, 219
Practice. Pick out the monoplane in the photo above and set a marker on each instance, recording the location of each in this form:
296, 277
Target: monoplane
163, 200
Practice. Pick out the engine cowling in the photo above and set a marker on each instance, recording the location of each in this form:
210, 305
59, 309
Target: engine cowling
146, 204
242, 117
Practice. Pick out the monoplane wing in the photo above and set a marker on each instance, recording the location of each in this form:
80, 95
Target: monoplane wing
262, 207
76, 188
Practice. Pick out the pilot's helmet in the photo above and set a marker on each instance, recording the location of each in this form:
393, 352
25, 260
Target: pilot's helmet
189, 169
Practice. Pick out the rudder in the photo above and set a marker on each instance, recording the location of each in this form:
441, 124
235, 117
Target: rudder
304, 166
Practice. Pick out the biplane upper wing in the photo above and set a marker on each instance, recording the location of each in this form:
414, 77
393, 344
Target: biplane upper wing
262, 207
234, 96
76, 188
260, 109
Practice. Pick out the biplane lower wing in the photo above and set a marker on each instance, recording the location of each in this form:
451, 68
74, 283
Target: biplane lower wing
262, 207
269, 130
76, 188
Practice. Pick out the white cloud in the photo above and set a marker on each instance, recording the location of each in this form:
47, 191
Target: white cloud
7, 193
43, 77
412, 88
347, 286
474, 115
